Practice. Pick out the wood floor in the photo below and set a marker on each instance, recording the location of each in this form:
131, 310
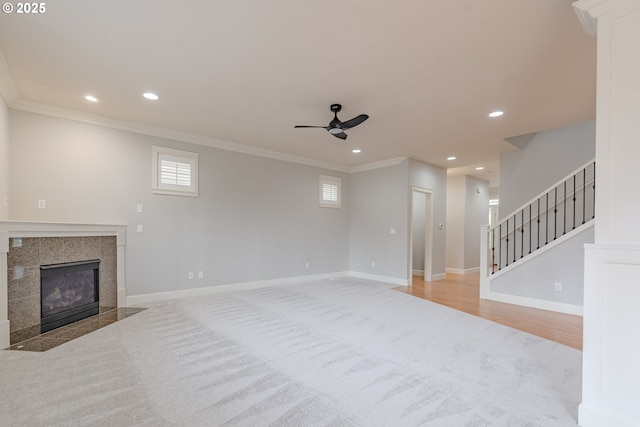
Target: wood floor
462, 293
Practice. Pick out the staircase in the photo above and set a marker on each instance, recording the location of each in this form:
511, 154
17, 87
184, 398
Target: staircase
554, 216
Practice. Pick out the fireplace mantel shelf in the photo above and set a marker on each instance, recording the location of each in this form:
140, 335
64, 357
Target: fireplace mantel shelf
28, 229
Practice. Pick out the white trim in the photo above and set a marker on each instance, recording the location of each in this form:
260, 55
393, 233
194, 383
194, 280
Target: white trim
11, 95
440, 276
418, 272
591, 417
8, 88
331, 181
377, 165
377, 278
462, 271
181, 156
537, 303
133, 300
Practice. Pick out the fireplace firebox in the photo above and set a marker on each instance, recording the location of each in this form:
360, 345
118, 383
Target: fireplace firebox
68, 292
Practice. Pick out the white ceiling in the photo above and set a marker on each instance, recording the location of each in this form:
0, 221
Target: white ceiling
427, 72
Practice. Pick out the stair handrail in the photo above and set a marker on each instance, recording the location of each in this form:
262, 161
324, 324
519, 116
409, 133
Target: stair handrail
542, 193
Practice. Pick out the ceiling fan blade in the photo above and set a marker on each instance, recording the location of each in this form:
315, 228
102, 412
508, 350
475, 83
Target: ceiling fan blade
354, 122
321, 127
340, 135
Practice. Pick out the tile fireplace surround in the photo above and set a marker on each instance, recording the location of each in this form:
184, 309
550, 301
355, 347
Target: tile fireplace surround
24, 246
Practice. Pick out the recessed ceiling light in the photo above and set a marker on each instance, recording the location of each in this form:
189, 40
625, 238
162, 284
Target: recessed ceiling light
151, 96
451, 158
479, 168
496, 114
356, 151
92, 98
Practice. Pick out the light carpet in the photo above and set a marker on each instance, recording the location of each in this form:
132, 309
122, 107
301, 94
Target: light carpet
344, 352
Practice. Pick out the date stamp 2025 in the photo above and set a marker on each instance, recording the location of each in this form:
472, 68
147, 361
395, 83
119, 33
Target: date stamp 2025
24, 8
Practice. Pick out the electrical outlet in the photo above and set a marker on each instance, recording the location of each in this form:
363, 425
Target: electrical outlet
200, 274
139, 228
191, 275
373, 264
139, 208
42, 204
558, 286
307, 265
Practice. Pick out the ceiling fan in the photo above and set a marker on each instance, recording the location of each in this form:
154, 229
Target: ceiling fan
337, 127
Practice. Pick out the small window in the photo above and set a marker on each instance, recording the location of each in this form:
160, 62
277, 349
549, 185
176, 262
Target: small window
330, 189
174, 172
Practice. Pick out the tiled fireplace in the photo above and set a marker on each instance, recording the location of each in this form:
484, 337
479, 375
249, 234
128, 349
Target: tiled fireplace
25, 247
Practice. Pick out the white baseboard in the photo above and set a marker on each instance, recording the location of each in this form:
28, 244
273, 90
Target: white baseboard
441, 276
462, 271
377, 278
194, 292
590, 417
418, 272
537, 303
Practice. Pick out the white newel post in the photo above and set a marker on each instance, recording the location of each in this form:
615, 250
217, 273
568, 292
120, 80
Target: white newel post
611, 355
484, 262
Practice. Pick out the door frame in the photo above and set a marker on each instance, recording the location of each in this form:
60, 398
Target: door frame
428, 238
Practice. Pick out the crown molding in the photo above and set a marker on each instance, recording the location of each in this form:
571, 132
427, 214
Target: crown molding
95, 119
377, 165
589, 11
8, 88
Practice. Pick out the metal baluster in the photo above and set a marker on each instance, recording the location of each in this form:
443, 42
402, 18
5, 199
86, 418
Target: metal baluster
530, 226
555, 214
574, 203
538, 246
564, 209
507, 252
594, 191
500, 248
515, 240
493, 250
521, 233
546, 220
584, 195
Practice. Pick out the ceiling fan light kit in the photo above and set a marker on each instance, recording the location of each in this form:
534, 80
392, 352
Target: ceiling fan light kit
337, 127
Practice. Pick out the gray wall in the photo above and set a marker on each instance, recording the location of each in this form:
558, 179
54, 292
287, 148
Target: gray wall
4, 159
255, 219
455, 222
379, 202
476, 214
536, 278
549, 157
467, 210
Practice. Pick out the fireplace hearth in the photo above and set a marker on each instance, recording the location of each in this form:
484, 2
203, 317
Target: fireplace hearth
69, 292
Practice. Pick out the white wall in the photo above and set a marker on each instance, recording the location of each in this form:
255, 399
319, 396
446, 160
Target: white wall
547, 158
4, 159
255, 219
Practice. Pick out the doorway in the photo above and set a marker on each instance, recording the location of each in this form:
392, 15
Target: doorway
421, 234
